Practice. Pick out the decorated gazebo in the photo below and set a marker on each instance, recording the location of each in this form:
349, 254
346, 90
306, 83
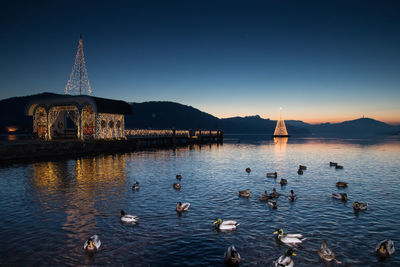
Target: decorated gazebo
78, 116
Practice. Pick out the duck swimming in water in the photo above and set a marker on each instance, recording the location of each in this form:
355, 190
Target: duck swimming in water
126, 218
264, 197
93, 243
292, 196
299, 171
340, 196
332, 164
232, 257
274, 194
272, 204
179, 177
360, 205
135, 186
283, 181
272, 175
385, 248
225, 225
177, 186
338, 166
326, 253
285, 260
244, 193
182, 207
289, 239
341, 184
248, 170
302, 167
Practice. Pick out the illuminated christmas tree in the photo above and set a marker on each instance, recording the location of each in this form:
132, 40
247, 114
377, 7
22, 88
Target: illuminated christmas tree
280, 130
78, 82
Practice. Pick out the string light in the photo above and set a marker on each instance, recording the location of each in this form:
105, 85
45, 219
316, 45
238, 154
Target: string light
280, 129
78, 82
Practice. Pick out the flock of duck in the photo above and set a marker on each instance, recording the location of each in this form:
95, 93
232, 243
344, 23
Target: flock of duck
231, 256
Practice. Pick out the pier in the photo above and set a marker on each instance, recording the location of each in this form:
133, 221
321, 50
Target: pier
136, 140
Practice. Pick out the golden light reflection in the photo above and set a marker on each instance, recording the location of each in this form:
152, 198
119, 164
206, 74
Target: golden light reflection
79, 185
11, 137
280, 143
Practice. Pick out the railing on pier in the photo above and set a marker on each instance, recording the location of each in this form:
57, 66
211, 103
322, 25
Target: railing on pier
144, 133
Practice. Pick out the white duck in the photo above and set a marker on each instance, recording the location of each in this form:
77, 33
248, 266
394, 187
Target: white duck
289, 239
292, 196
285, 260
135, 186
182, 207
385, 248
225, 225
272, 204
93, 243
126, 218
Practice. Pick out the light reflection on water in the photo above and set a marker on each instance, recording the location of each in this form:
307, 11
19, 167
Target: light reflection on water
48, 209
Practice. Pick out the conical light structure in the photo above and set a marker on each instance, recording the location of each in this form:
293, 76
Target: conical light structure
280, 130
78, 82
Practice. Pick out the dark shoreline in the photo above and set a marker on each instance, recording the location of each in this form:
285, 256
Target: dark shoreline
27, 151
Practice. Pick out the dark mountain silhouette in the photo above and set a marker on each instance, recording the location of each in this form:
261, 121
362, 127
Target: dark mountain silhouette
355, 128
167, 115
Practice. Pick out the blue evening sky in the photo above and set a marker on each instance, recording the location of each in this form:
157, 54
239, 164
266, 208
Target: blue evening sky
319, 60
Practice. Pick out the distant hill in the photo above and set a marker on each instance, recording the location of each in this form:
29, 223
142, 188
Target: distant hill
363, 127
167, 115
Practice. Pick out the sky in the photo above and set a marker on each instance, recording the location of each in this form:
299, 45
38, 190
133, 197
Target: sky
321, 61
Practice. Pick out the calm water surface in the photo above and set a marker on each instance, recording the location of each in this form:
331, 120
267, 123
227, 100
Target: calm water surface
49, 209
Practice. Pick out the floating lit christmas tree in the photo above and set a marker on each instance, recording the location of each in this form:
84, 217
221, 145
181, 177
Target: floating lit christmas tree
280, 130
78, 82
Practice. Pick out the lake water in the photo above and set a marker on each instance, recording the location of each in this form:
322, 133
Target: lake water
48, 209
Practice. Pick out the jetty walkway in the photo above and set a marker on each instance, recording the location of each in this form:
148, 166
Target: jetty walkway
36, 150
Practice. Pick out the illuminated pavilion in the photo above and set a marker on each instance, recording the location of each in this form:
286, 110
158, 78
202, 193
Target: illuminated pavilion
78, 116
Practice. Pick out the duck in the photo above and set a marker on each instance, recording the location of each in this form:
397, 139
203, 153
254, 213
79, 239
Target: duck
338, 166
274, 194
231, 256
292, 196
302, 167
341, 184
332, 164
248, 170
360, 205
93, 243
225, 225
244, 193
285, 260
326, 253
299, 171
135, 186
272, 204
179, 177
182, 207
340, 196
126, 218
283, 181
289, 239
272, 175
385, 248
177, 186
264, 197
